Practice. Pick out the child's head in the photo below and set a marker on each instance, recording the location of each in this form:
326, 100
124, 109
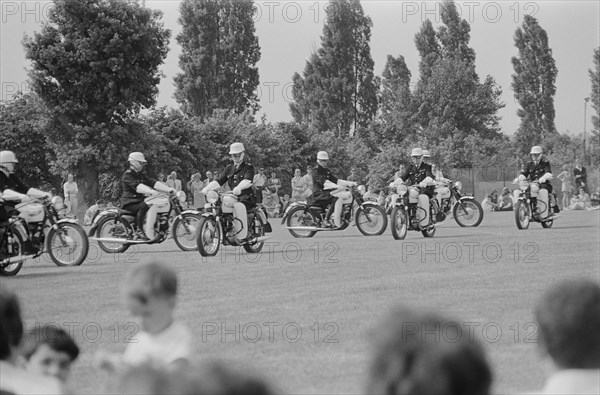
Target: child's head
50, 351
150, 293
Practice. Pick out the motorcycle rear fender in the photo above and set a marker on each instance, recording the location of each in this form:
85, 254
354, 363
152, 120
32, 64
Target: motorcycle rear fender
109, 213
69, 220
194, 212
466, 197
289, 208
209, 214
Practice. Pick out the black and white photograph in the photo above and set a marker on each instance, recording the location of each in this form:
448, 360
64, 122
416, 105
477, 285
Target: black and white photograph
229, 197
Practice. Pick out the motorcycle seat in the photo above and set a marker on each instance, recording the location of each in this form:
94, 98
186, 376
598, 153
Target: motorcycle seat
126, 212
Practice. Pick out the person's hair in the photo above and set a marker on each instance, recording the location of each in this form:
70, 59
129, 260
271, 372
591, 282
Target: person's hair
56, 338
218, 379
424, 353
160, 278
11, 324
568, 316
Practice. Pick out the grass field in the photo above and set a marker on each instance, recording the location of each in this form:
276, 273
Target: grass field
300, 312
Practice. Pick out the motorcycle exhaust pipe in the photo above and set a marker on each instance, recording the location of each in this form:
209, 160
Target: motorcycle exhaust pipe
309, 228
17, 259
116, 240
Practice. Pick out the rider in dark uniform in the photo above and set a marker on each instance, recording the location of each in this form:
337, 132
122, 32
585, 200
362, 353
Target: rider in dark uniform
238, 176
136, 185
539, 169
320, 196
419, 174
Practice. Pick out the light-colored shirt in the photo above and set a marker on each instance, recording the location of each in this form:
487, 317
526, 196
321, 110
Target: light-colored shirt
175, 184
70, 189
164, 348
259, 180
573, 381
19, 381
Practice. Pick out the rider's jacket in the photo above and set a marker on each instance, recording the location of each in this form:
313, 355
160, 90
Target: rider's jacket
534, 172
233, 176
130, 180
414, 175
321, 174
12, 182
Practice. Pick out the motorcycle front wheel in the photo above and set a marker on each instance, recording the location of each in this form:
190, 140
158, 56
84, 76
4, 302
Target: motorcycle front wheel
297, 217
208, 237
468, 213
371, 220
522, 214
108, 227
257, 227
184, 232
17, 248
68, 245
399, 219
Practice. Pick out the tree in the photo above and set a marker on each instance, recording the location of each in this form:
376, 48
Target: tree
24, 124
95, 65
533, 84
595, 96
219, 54
451, 106
338, 91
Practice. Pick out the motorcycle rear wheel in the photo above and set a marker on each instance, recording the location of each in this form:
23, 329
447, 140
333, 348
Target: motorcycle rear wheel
522, 214
12, 269
208, 237
107, 228
297, 217
258, 229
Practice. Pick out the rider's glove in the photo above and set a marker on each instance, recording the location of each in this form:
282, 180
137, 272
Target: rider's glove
237, 191
172, 190
521, 177
423, 184
542, 179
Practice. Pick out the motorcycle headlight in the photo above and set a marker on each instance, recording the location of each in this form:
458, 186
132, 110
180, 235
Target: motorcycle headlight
402, 189
181, 196
212, 196
458, 185
57, 202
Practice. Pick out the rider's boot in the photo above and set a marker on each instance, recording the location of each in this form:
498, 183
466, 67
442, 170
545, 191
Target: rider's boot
141, 236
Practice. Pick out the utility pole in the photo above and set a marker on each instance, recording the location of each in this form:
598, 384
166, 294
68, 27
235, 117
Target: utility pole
586, 100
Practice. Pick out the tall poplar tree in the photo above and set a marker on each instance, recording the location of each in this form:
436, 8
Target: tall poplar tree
595, 94
95, 65
338, 90
533, 84
218, 60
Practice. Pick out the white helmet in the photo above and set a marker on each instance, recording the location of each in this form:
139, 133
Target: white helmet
535, 150
8, 157
137, 156
236, 148
416, 152
426, 154
322, 155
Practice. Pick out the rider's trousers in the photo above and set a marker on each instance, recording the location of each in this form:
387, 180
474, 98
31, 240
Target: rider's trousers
423, 211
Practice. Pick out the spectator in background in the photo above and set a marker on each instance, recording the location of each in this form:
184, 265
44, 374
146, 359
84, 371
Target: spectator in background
71, 191
161, 178
298, 186
50, 351
308, 181
209, 177
13, 379
505, 201
487, 204
174, 182
568, 316
371, 195
424, 353
581, 201
150, 294
595, 198
274, 182
566, 186
400, 172
353, 176
258, 184
196, 186
580, 174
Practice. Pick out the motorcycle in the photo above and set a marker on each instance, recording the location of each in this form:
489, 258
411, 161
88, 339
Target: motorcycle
305, 220
404, 213
219, 226
527, 207
467, 211
37, 229
115, 228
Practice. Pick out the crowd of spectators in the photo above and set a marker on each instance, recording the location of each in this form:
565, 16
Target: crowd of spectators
412, 351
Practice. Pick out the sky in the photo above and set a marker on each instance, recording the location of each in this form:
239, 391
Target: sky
289, 31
